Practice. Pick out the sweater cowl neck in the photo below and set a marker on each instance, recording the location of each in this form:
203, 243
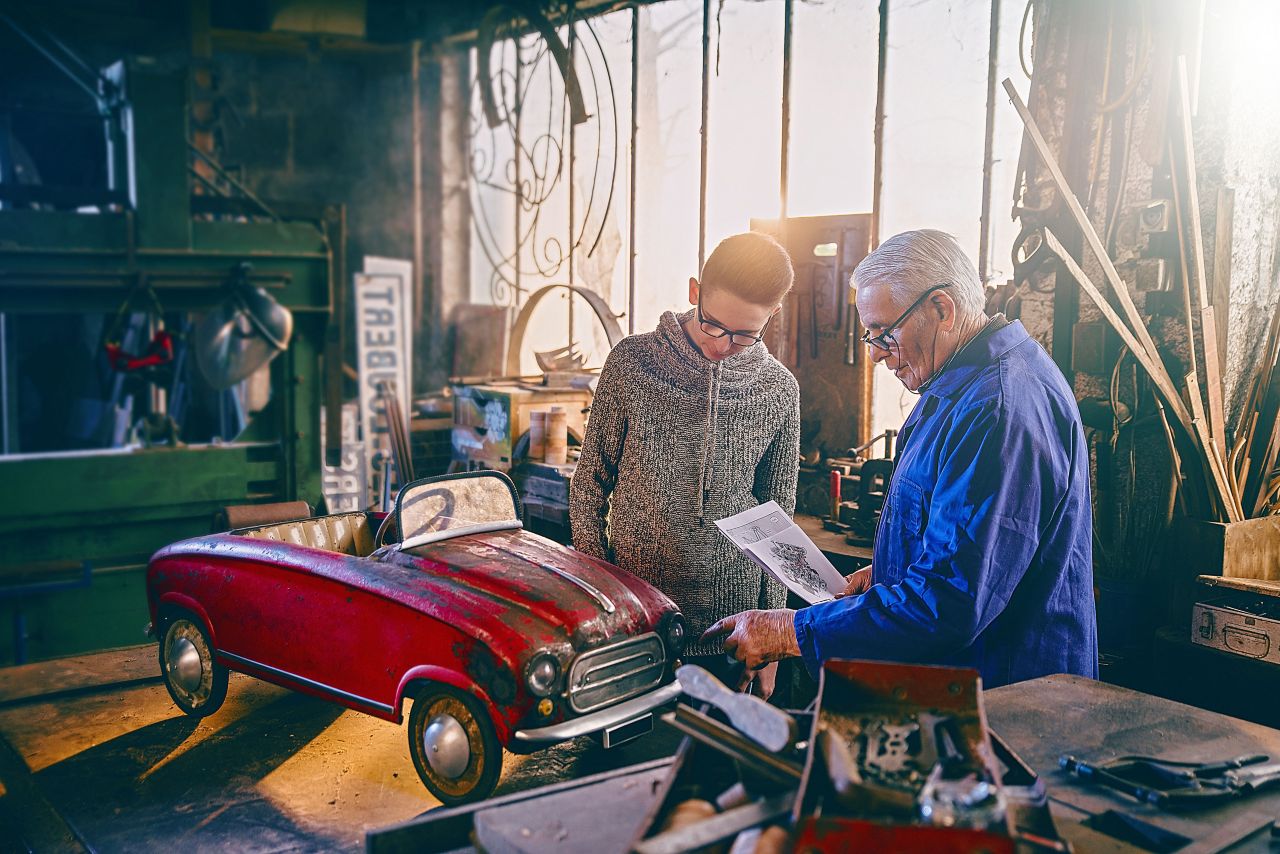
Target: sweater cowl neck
685, 365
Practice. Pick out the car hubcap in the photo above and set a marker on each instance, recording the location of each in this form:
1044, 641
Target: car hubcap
185, 666
446, 747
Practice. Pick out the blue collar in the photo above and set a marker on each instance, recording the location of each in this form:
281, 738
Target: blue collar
983, 351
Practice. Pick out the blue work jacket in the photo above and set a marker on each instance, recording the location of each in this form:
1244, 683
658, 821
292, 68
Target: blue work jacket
983, 556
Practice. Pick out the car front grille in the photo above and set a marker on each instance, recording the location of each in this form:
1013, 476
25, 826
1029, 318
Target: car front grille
614, 673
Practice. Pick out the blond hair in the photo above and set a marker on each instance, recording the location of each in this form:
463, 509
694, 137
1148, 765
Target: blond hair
752, 266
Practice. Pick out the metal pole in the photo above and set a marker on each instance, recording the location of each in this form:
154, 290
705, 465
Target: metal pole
786, 112
984, 227
631, 217
6, 445
573, 49
517, 150
706, 99
419, 250
877, 170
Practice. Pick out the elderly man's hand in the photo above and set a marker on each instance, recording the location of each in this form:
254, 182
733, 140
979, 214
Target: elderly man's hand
856, 582
757, 637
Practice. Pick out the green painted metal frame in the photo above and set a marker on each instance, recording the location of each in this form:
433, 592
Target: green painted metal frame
114, 508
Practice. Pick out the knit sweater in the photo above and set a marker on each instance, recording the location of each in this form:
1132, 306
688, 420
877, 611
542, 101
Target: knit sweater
675, 442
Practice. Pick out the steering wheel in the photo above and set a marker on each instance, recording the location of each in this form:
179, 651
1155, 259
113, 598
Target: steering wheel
379, 539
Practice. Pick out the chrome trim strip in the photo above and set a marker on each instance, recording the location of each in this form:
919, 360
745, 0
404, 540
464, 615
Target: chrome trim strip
605, 601
597, 721
302, 680
630, 674
449, 533
602, 658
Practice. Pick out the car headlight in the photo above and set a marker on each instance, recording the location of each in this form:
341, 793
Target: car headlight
676, 634
543, 674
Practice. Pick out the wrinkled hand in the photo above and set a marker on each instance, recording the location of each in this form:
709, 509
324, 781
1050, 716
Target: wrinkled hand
766, 680
757, 637
856, 582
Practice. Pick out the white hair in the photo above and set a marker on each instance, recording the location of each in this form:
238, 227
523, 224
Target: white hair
912, 262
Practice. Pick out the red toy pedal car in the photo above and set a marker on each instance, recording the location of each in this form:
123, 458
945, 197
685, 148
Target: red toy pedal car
501, 638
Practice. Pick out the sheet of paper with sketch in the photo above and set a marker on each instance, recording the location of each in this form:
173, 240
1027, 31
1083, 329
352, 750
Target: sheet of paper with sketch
768, 536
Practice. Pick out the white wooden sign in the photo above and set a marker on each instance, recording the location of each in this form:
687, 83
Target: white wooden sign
384, 295
346, 485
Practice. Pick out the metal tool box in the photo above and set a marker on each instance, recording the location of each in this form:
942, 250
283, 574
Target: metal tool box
1238, 622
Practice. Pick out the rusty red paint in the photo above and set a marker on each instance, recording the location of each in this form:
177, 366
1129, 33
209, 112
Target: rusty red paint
470, 612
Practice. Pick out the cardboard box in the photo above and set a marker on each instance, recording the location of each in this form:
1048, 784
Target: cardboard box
488, 420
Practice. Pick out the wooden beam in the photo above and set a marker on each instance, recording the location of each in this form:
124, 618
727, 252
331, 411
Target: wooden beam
1208, 321
1150, 362
1091, 236
1220, 295
1194, 425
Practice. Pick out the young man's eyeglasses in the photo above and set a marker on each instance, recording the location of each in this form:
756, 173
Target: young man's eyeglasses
885, 340
737, 338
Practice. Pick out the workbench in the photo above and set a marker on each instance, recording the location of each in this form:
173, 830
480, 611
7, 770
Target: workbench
1040, 719
94, 754
833, 545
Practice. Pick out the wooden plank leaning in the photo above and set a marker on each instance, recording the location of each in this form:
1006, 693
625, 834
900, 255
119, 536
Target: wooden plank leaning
1195, 428
1208, 319
1091, 236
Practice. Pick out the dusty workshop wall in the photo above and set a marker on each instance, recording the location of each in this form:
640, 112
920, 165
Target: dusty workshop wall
1117, 161
325, 128
1237, 137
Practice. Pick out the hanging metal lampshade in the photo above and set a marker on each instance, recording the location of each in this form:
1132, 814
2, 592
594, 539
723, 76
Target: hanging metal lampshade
245, 332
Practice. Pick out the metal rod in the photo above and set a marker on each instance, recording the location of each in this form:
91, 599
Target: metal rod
787, 9
631, 217
877, 170
573, 50
706, 100
988, 155
226, 176
419, 233
59, 63
518, 106
5, 440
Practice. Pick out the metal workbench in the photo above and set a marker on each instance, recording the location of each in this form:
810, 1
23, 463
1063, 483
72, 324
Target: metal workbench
93, 754
1041, 719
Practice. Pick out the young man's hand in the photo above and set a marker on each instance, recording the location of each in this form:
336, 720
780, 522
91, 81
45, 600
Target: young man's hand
856, 582
757, 638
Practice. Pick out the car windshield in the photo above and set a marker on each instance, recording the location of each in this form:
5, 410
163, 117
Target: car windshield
437, 508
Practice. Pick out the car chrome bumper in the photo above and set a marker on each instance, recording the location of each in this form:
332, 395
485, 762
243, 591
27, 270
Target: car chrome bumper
596, 721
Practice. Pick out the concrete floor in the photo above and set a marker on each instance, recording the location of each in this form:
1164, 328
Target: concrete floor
122, 769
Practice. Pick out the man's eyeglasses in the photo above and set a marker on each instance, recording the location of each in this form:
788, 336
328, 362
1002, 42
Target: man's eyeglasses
714, 330
885, 340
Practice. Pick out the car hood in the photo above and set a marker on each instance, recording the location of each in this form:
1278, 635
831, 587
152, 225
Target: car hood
537, 586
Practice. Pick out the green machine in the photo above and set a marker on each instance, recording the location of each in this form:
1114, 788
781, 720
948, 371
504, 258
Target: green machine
77, 527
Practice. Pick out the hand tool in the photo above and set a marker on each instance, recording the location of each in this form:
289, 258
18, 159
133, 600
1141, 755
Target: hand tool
767, 725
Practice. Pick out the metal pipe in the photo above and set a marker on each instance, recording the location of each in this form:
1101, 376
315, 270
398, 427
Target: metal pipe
706, 100
419, 233
786, 113
518, 106
631, 217
226, 176
6, 443
984, 227
877, 170
573, 50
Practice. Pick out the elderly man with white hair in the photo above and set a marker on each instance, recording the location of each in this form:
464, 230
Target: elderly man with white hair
983, 554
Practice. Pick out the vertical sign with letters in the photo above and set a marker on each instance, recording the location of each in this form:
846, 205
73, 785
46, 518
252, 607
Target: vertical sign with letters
384, 351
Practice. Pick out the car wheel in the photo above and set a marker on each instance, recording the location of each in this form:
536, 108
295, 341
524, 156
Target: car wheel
196, 682
454, 745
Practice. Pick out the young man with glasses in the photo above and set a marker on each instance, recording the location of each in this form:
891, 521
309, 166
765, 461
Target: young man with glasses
983, 555
691, 423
